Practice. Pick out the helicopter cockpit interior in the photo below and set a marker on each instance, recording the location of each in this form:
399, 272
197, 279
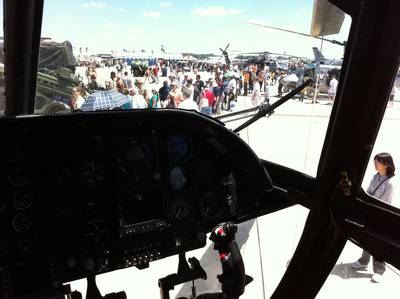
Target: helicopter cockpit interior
146, 185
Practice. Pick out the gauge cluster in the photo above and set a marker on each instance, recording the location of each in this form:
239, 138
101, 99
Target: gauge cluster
90, 193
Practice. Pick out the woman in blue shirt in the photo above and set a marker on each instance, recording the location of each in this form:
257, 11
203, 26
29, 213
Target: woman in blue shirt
380, 187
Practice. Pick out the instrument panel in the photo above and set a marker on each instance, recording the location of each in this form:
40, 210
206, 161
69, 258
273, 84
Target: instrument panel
89, 193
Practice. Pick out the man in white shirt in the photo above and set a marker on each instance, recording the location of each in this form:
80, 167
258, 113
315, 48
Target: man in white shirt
138, 101
332, 88
188, 102
231, 92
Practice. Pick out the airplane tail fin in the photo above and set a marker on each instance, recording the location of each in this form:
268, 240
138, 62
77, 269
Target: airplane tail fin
318, 55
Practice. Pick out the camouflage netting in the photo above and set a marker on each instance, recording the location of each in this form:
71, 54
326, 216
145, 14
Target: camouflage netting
53, 55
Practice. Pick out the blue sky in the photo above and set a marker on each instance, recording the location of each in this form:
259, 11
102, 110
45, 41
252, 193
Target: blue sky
199, 26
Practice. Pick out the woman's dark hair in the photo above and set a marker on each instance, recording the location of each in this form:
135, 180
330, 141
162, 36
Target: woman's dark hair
386, 159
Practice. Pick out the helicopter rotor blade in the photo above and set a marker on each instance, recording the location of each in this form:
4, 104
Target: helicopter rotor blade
299, 33
227, 47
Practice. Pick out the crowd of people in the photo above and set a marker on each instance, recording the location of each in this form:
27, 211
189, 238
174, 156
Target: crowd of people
184, 87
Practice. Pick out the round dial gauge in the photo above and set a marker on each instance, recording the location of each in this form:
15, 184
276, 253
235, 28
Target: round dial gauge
180, 209
18, 176
21, 223
22, 200
210, 205
178, 148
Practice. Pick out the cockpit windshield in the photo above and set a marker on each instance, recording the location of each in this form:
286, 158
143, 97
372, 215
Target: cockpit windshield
141, 185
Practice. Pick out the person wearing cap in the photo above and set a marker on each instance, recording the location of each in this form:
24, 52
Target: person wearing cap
188, 103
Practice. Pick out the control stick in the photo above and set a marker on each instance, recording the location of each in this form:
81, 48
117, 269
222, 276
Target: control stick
233, 278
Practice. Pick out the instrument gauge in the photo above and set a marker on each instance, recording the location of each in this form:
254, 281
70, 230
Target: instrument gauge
178, 148
137, 162
180, 209
210, 205
22, 200
21, 223
18, 176
177, 179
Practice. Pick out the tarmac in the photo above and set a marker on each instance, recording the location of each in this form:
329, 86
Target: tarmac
292, 136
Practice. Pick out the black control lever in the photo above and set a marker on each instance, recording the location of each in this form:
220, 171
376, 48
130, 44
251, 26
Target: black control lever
185, 274
93, 292
265, 109
233, 278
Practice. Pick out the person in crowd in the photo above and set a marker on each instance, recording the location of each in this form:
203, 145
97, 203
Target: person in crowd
280, 84
78, 97
170, 101
175, 93
246, 78
140, 86
164, 91
112, 81
391, 97
380, 187
198, 88
154, 100
120, 86
138, 101
93, 85
127, 81
255, 97
187, 102
332, 88
207, 101
147, 96
147, 75
155, 74
230, 92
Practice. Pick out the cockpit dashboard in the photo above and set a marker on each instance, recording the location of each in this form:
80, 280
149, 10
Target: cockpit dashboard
89, 193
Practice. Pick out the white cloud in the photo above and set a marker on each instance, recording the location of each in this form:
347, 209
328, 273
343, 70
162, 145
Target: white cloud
95, 5
136, 30
166, 4
152, 14
110, 25
216, 11
77, 27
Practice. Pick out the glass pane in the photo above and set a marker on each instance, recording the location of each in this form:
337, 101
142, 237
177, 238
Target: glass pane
359, 280
156, 42
103, 48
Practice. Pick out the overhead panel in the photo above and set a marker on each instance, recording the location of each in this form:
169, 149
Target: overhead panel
327, 19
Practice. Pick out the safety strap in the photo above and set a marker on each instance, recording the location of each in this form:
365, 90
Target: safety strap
388, 177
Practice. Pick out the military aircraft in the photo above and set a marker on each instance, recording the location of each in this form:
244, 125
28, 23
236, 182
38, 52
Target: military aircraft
82, 195
226, 55
319, 58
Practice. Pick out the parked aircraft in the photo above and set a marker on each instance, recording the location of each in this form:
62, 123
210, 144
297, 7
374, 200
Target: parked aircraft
319, 58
